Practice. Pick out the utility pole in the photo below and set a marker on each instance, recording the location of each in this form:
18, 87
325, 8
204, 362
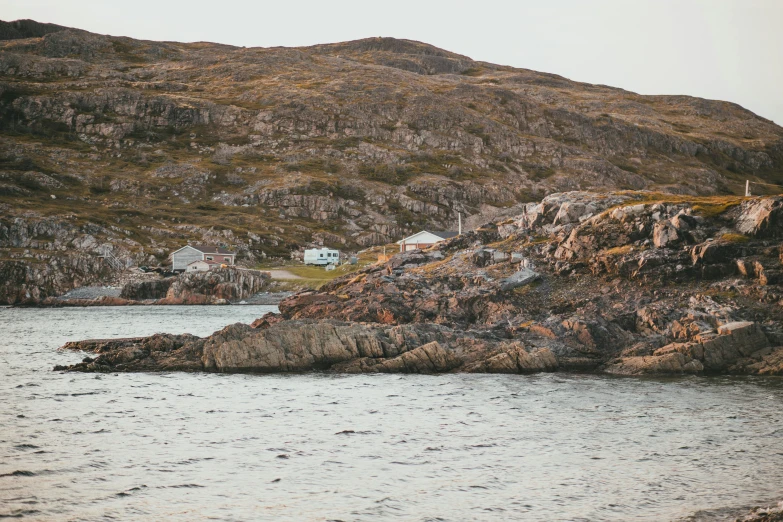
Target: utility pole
747, 188
459, 219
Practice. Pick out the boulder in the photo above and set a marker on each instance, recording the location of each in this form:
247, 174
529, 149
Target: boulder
669, 363
683, 222
761, 217
713, 252
665, 234
520, 278
734, 341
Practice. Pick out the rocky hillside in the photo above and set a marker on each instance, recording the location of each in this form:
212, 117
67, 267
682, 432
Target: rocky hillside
621, 283
136, 146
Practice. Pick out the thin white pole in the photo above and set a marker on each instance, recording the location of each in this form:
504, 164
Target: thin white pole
747, 187
459, 218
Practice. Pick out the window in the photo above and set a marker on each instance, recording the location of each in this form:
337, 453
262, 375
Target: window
209, 258
227, 259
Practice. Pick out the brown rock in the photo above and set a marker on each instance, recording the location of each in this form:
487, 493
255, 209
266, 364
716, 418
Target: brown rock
761, 217
670, 363
735, 341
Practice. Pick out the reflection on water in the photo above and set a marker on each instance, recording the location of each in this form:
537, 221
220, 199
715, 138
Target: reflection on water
321, 447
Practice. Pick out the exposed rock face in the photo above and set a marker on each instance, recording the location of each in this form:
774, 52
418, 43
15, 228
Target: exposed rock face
296, 346
141, 290
738, 347
213, 287
225, 284
762, 218
27, 281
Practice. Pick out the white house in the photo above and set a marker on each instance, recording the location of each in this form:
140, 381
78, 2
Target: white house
321, 256
181, 258
423, 239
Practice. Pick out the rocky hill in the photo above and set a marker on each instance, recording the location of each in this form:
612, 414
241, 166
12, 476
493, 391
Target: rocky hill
110, 144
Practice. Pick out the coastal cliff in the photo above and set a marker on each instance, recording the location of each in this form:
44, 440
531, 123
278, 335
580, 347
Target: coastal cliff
627, 283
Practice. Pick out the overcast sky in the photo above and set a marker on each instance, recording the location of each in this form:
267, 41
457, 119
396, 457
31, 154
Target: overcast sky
721, 49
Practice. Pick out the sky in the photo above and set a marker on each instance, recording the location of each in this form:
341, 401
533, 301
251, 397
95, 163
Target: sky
719, 49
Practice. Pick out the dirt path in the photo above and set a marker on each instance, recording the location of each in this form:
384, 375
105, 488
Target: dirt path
283, 274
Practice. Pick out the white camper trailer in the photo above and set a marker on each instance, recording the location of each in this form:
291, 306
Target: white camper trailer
321, 256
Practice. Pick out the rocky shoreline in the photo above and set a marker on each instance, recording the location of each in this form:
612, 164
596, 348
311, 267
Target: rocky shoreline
222, 286
628, 283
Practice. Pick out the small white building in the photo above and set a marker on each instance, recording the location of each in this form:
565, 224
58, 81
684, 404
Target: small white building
203, 266
183, 257
321, 256
423, 239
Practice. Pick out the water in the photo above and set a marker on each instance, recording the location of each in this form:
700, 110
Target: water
372, 447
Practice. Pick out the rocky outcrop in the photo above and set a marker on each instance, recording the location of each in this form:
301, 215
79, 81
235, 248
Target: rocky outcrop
764, 514
27, 281
297, 346
151, 289
217, 285
738, 347
574, 283
761, 217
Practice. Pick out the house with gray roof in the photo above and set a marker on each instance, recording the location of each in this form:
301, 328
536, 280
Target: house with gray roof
212, 254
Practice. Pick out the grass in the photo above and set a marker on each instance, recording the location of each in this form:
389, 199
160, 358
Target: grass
472, 71
705, 206
735, 238
619, 250
314, 277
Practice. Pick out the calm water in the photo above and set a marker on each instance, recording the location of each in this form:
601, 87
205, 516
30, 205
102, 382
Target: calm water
324, 447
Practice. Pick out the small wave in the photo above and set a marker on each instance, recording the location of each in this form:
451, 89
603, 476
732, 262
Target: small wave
19, 473
26, 446
19, 513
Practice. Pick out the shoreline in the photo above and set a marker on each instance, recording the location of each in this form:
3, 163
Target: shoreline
614, 283
265, 299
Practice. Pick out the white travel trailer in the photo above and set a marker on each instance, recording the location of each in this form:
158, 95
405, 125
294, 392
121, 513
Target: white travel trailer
321, 256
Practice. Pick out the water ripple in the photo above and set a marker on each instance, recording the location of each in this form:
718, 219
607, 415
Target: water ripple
302, 447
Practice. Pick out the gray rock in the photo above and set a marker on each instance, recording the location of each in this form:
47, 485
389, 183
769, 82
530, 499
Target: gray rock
665, 234
521, 278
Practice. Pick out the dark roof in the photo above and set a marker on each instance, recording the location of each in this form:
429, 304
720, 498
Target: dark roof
212, 249
444, 235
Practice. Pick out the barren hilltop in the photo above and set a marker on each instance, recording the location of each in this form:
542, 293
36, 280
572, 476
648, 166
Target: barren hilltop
134, 147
